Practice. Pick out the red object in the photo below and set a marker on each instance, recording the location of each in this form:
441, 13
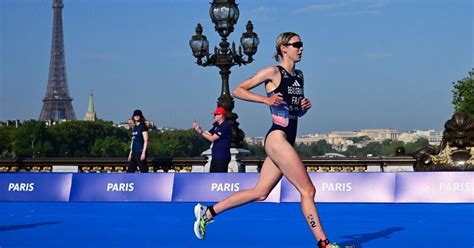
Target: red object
220, 111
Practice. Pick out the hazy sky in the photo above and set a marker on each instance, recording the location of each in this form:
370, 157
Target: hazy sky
367, 63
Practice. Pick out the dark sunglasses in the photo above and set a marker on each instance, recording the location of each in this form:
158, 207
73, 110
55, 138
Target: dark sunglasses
296, 45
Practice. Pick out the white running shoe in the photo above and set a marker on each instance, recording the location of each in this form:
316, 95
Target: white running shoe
338, 246
201, 221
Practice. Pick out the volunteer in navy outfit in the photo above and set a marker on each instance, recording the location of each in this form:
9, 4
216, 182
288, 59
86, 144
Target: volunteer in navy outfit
220, 135
138, 148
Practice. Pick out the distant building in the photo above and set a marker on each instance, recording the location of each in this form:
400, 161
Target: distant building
90, 115
18, 123
340, 137
333, 155
341, 140
311, 138
379, 134
165, 129
255, 140
412, 136
342, 147
129, 124
11, 123
435, 137
57, 104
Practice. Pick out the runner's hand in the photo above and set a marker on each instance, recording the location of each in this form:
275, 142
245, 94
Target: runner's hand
275, 99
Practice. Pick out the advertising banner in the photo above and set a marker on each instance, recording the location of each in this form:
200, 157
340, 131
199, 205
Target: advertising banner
401, 187
213, 187
122, 187
345, 187
35, 186
443, 187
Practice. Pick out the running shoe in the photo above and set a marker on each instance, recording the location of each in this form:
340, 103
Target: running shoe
201, 221
327, 244
338, 246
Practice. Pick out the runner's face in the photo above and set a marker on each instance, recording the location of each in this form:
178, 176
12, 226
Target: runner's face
294, 49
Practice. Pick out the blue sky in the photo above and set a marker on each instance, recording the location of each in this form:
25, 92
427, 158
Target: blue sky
367, 63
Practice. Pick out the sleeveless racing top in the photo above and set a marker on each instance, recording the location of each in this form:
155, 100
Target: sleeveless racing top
285, 115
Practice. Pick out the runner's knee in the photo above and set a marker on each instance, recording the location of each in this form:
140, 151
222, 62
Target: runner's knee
261, 195
308, 191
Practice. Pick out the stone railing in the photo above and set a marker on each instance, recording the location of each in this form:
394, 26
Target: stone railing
107, 165
356, 164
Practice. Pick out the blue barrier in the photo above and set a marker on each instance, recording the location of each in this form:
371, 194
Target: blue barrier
443, 187
122, 187
346, 187
35, 186
403, 187
211, 187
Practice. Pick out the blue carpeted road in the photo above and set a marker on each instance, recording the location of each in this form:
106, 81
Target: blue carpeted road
272, 225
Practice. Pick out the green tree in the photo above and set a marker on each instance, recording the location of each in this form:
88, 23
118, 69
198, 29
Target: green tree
323, 147
109, 147
353, 151
92, 139
256, 150
73, 139
304, 150
6, 141
413, 147
318, 148
463, 95
389, 147
386, 148
78, 138
178, 143
32, 140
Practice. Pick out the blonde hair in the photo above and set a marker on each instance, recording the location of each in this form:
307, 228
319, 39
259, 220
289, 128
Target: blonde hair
282, 39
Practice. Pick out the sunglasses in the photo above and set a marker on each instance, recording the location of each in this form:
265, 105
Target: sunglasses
296, 45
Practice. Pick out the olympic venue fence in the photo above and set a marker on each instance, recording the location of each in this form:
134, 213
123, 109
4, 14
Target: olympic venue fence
369, 187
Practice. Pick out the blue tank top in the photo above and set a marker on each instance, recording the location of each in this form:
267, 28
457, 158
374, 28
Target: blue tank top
285, 115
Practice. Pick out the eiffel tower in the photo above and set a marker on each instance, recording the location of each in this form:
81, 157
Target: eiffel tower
57, 104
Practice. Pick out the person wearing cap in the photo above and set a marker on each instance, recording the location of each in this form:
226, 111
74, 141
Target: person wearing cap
138, 148
220, 135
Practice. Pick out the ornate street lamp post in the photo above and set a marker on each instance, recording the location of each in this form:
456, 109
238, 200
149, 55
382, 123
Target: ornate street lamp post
224, 15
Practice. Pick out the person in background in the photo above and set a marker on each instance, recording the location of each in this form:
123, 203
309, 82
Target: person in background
220, 135
138, 148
